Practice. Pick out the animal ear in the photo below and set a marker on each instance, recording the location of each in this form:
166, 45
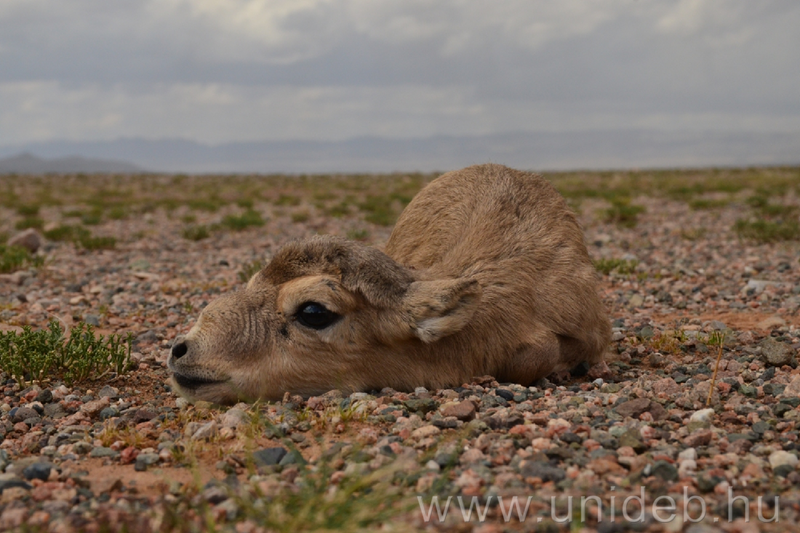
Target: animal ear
440, 308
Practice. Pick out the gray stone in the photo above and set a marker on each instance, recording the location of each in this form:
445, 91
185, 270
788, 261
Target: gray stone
205, 431
102, 451
82, 447
775, 353
292, 458
269, 456
542, 470
13, 482
147, 336
143, 460
781, 458
23, 413
44, 397
234, 418
28, 239
109, 412
38, 471
92, 320
54, 410
633, 439
664, 470
108, 392
215, 494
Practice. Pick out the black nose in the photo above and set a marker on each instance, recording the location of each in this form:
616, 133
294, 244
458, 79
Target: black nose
179, 350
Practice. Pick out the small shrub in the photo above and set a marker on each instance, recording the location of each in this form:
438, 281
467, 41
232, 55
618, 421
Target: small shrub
288, 200
47, 354
338, 210
245, 203
704, 204
249, 269
766, 231
245, 220
358, 234
301, 216
196, 233
92, 218
28, 210
623, 212
620, 266
117, 213
693, 234
97, 243
30, 222
14, 258
379, 210
66, 232
205, 204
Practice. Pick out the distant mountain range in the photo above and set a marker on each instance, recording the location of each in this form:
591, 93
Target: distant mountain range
540, 151
26, 163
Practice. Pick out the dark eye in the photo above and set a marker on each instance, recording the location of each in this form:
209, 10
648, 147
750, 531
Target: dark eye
316, 316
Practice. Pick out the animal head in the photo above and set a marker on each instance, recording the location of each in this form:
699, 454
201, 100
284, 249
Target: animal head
324, 313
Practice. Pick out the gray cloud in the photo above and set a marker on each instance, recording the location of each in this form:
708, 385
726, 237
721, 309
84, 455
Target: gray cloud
223, 70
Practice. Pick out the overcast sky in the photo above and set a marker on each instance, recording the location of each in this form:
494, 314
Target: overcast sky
217, 71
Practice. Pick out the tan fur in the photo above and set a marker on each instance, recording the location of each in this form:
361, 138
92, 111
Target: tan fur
486, 272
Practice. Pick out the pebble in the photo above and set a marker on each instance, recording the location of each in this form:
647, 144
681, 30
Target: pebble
782, 458
38, 471
705, 416
30, 239
464, 411
234, 418
143, 460
775, 353
102, 451
269, 456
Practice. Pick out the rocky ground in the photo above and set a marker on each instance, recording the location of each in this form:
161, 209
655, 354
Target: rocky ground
125, 453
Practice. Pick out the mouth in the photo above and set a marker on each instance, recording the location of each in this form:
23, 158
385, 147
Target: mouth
189, 382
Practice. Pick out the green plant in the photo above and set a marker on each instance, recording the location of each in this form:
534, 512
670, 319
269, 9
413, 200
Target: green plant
28, 210
211, 204
97, 243
288, 200
245, 220
117, 213
49, 353
92, 218
338, 210
196, 233
358, 234
80, 236
620, 266
693, 234
704, 203
29, 222
249, 269
66, 232
15, 257
623, 212
715, 338
379, 210
301, 216
766, 231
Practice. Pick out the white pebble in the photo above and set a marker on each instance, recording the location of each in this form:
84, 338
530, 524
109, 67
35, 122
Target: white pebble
703, 415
